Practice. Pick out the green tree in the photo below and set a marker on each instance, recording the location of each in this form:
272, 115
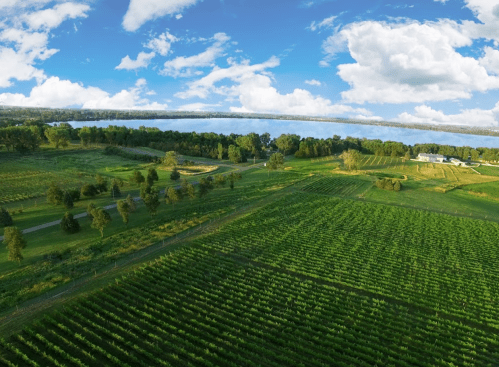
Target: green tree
235, 154
131, 203
174, 176
89, 190
124, 210
220, 180
188, 189
475, 155
221, 151
172, 196
75, 194
116, 184
233, 177
67, 200
137, 177
151, 201
276, 161
170, 159
287, 142
351, 159
101, 219
145, 189
5, 218
101, 183
397, 186
205, 186
58, 136
152, 176
90, 208
69, 224
54, 194
407, 155
13, 239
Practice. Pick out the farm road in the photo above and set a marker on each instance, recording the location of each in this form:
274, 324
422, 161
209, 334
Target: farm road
111, 206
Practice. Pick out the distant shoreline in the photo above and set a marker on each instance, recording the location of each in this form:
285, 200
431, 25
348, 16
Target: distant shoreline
64, 115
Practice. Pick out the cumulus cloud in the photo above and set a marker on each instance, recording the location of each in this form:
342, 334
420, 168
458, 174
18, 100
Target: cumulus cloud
52, 18
313, 82
410, 62
252, 87
142, 11
143, 60
490, 61
57, 93
162, 43
487, 12
186, 66
469, 117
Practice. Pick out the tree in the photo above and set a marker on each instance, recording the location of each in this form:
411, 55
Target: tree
235, 154
152, 176
13, 239
101, 183
172, 196
288, 142
116, 184
101, 219
89, 190
351, 159
170, 159
131, 203
276, 161
151, 201
137, 177
54, 194
67, 200
69, 224
475, 155
5, 218
187, 189
145, 189
205, 186
174, 176
397, 186
75, 194
233, 177
90, 208
124, 210
407, 155
221, 151
220, 180
59, 136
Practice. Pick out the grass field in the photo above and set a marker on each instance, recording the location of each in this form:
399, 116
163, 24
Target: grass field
338, 282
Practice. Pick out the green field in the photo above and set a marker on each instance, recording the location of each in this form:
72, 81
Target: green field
349, 285
310, 265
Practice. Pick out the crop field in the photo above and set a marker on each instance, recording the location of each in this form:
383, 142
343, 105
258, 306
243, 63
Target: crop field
372, 162
341, 186
488, 170
306, 281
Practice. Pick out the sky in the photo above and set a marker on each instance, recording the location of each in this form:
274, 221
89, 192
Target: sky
425, 61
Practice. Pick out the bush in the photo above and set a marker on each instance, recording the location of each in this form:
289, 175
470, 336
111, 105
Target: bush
5, 218
388, 184
89, 190
69, 224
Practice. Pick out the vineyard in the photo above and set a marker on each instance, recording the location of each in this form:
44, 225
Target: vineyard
308, 280
341, 186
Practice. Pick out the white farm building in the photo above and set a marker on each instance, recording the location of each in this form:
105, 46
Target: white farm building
435, 158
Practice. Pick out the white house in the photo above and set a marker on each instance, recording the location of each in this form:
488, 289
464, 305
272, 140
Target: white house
434, 158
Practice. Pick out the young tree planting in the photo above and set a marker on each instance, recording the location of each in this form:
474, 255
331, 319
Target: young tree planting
68, 200
275, 162
152, 176
172, 196
137, 177
151, 201
89, 190
124, 210
174, 176
233, 177
54, 194
170, 159
13, 239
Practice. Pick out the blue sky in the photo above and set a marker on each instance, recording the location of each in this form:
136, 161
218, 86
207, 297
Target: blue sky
428, 61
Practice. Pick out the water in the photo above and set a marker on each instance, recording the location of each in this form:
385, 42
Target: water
304, 129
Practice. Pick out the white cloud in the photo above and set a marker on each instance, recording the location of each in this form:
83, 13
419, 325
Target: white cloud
468, 117
58, 93
162, 43
178, 16
410, 62
441, 1
325, 23
490, 61
198, 107
487, 12
18, 66
141, 11
252, 87
52, 18
186, 66
143, 60
313, 82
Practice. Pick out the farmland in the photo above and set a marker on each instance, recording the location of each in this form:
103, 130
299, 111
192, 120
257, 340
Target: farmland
292, 295
308, 265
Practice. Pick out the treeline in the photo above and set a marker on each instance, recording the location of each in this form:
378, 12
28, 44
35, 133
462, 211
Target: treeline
29, 136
